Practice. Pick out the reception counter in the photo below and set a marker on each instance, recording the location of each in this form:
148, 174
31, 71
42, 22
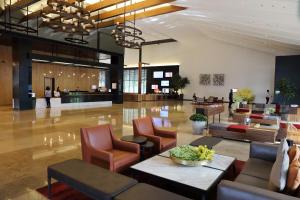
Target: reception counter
73, 100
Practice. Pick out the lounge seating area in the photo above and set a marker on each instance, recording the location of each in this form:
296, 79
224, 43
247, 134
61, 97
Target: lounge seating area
149, 99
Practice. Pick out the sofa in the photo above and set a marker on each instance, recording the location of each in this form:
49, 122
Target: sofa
252, 183
290, 130
242, 132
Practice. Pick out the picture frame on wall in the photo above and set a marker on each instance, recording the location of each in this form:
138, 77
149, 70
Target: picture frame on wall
205, 79
218, 79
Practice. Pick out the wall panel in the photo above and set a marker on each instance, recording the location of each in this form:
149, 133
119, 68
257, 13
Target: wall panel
5, 75
66, 77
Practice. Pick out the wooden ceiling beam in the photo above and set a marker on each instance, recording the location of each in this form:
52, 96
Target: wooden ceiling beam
143, 15
130, 8
103, 4
21, 4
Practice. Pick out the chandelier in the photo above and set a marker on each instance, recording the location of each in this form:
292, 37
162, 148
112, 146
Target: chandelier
127, 34
71, 18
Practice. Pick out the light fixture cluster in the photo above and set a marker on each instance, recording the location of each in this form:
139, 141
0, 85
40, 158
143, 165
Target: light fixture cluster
72, 18
128, 36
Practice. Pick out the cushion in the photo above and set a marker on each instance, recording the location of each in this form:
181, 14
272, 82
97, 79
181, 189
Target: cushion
278, 177
242, 110
148, 192
283, 125
251, 180
237, 128
258, 168
297, 126
294, 153
283, 147
293, 179
256, 116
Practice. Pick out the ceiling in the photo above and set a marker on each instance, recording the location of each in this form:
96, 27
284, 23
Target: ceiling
272, 26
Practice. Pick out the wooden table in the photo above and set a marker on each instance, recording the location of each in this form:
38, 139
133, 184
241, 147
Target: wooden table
210, 110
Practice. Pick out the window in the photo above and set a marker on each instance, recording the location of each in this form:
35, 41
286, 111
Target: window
131, 80
102, 78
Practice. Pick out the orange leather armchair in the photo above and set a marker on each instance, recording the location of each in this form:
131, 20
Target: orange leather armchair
100, 147
162, 139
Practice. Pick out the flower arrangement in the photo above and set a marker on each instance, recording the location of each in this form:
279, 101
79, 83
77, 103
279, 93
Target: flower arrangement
191, 153
245, 94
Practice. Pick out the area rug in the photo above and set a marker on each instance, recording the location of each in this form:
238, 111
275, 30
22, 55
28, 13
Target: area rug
61, 191
207, 140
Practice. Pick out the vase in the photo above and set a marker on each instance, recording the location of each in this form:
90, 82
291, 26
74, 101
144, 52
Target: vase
198, 127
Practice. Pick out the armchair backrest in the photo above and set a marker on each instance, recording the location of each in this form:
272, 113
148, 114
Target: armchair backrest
143, 126
99, 137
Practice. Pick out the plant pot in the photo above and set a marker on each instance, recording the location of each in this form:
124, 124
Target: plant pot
198, 127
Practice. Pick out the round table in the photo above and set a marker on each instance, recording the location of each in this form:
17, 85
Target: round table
134, 139
145, 146
146, 150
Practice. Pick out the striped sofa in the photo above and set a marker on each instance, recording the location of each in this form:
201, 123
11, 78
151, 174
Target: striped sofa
242, 132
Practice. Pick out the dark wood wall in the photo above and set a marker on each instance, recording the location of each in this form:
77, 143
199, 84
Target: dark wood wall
288, 67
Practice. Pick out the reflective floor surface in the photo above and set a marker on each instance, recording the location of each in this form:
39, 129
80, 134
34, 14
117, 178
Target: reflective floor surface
32, 140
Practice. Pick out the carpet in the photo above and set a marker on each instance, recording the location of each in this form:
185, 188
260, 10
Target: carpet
61, 191
207, 140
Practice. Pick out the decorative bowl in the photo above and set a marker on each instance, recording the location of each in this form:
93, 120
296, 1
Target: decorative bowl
189, 163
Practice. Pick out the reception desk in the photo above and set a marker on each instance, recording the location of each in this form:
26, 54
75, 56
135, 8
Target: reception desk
73, 100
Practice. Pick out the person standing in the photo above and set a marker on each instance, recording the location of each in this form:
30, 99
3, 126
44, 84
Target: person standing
230, 99
48, 96
267, 97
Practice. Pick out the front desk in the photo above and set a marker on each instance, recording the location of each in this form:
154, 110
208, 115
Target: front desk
73, 100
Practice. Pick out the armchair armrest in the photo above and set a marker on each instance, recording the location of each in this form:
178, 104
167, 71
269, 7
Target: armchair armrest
105, 158
126, 146
228, 190
165, 133
263, 151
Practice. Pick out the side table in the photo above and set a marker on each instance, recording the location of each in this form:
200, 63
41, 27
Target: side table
145, 146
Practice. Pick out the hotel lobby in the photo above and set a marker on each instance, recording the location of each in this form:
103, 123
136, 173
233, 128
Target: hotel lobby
149, 99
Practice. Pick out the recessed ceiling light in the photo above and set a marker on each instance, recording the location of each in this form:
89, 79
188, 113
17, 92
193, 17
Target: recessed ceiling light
92, 1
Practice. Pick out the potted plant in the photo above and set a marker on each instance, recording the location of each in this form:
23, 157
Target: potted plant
179, 83
244, 96
198, 122
287, 90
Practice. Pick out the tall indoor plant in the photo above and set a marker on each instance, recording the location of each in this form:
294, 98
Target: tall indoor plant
198, 122
179, 83
287, 90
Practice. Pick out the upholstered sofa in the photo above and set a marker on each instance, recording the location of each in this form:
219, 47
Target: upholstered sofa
242, 132
252, 183
256, 118
290, 130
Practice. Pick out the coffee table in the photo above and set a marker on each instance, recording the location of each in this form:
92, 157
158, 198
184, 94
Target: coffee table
145, 145
199, 181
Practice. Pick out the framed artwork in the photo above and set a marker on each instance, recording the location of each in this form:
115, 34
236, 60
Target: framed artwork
218, 79
204, 79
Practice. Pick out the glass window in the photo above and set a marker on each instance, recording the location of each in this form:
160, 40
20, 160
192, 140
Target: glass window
131, 80
102, 78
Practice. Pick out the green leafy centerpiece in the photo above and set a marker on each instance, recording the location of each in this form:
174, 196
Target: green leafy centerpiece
191, 156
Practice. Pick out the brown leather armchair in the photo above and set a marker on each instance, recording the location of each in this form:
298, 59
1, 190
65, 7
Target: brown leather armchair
162, 139
100, 147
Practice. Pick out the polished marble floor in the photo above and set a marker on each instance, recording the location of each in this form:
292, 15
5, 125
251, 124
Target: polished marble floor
32, 140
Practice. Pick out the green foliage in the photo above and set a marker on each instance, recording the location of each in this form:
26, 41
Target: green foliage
287, 90
188, 152
244, 94
198, 117
178, 82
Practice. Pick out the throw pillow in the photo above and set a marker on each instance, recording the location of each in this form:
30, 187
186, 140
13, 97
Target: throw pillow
282, 147
278, 176
294, 153
293, 180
